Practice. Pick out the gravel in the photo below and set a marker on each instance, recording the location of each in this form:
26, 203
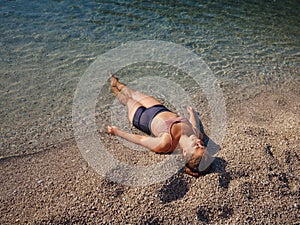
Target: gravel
254, 179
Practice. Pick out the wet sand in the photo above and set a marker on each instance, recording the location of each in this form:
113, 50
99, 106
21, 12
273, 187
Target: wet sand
254, 179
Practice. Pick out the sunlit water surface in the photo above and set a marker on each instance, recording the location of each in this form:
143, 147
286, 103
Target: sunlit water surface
45, 47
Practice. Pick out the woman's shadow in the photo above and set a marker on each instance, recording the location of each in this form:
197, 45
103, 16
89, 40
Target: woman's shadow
178, 185
218, 165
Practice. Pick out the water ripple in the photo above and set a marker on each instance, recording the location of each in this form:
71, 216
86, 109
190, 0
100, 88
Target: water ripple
45, 47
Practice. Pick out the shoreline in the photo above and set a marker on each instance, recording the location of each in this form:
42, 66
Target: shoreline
38, 136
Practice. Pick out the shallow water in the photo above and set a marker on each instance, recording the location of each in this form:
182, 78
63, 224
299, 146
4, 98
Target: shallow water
45, 47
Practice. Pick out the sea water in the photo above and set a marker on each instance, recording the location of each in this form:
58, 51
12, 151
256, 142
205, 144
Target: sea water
46, 46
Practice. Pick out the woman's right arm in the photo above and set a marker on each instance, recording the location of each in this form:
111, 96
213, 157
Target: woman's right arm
156, 144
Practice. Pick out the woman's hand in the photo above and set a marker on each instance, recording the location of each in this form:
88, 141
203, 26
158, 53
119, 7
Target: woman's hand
112, 129
190, 110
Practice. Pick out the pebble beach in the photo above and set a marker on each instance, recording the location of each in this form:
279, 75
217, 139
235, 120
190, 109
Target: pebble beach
254, 178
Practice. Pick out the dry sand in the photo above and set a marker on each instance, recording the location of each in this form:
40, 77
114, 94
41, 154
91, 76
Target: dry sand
254, 179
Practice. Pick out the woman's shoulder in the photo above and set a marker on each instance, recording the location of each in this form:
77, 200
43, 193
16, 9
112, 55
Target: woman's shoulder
165, 145
165, 138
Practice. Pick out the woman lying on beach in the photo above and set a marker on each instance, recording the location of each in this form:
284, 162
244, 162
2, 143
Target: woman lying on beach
166, 130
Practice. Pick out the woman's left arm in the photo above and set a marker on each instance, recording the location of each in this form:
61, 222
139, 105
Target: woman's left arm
195, 121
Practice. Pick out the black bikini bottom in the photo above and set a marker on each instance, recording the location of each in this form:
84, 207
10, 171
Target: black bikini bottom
143, 117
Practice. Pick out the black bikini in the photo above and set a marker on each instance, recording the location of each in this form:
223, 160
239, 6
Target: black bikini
143, 117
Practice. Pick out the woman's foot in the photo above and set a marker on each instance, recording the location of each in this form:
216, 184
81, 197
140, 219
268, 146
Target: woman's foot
113, 80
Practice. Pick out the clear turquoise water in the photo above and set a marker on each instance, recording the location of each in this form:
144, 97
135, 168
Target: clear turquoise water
45, 47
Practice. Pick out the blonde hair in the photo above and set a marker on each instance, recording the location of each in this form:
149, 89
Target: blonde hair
197, 165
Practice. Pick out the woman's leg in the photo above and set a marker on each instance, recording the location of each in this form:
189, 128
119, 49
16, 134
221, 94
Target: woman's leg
132, 104
144, 100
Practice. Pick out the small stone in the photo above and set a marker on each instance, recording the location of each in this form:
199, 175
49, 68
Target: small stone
40, 181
